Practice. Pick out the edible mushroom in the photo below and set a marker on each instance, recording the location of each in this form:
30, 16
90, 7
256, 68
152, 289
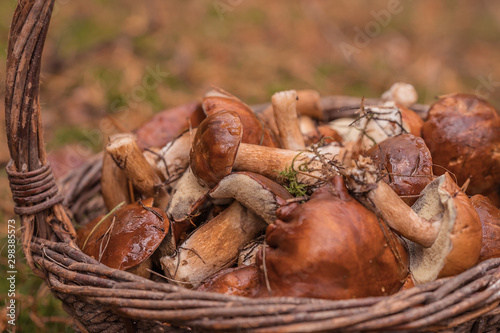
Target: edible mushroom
331, 247
443, 229
463, 135
405, 163
217, 150
127, 237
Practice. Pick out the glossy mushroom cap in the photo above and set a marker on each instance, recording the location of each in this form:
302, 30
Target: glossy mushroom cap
331, 247
253, 130
406, 164
215, 146
490, 220
239, 281
125, 241
463, 135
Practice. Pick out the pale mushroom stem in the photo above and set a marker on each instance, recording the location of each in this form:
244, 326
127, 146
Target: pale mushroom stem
390, 207
269, 162
307, 126
128, 157
285, 113
213, 246
174, 158
268, 121
400, 217
114, 183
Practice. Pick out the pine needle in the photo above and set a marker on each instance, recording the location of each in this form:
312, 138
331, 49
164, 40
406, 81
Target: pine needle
101, 221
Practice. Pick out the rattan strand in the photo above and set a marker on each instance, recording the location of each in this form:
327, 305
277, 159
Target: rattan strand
36, 188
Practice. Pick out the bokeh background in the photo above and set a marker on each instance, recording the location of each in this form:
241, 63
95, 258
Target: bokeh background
110, 65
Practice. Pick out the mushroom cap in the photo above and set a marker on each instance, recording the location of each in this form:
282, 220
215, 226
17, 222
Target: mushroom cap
135, 233
411, 119
215, 146
164, 126
253, 129
331, 247
239, 281
463, 135
458, 244
490, 221
405, 158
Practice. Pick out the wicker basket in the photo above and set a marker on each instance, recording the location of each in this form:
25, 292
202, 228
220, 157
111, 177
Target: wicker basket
102, 299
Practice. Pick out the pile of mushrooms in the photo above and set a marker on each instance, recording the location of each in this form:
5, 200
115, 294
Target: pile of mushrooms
282, 203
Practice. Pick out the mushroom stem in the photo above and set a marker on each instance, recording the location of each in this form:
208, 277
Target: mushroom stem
401, 217
213, 246
269, 162
401, 93
268, 121
390, 207
174, 158
128, 157
285, 113
114, 183
262, 196
187, 194
307, 126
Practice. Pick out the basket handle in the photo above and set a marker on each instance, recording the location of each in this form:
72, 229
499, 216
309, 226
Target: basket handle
22, 108
31, 180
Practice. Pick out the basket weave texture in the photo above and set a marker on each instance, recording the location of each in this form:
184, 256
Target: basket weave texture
102, 299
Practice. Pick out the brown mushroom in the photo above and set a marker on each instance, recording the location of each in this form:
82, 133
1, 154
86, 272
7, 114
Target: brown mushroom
458, 243
217, 150
442, 227
322, 247
309, 104
490, 221
254, 132
463, 135
213, 246
239, 281
204, 174
405, 163
127, 237
411, 120
164, 126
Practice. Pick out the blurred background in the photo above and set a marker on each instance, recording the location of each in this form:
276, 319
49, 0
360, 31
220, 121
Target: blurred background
110, 65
